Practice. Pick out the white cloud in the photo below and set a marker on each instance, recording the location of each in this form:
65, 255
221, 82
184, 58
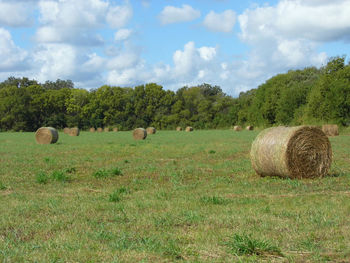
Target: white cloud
15, 14
122, 34
172, 14
118, 16
220, 22
11, 56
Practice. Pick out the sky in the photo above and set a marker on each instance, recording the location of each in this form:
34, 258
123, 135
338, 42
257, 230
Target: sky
234, 44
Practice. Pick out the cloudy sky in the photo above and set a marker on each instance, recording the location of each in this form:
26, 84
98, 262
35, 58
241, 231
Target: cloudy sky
234, 44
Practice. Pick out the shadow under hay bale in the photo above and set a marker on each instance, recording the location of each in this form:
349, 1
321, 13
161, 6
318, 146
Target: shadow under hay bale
92, 129
330, 129
74, 131
189, 129
139, 134
99, 129
249, 128
237, 128
151, 130
291, 152
46, 135
115, 129
66, 130
178, 128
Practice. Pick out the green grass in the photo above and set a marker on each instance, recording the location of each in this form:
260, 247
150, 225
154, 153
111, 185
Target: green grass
176, 196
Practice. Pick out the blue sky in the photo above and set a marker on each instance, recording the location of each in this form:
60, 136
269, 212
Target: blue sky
234, 44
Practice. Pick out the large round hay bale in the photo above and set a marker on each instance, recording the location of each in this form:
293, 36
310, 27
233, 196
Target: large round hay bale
291, 152
189, 129
237, 128
115, 129
46, 135
139, 134
178, 128
74, 131
151, 130
330, 129
99, 129
92, 129
66, 130
249, 128
106, 129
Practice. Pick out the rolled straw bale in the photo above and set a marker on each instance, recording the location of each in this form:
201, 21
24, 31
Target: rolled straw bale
46, 135
249, 128
99, 129
106, 129
115, 129
92, 129
151, 130
189, 129
139, 134
178, 128
74, 131
237, 128
291, 152
66, 130
330, 129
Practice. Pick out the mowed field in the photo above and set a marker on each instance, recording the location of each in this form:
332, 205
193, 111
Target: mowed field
176, 196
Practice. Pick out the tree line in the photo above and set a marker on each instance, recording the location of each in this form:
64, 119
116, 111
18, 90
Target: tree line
308, 96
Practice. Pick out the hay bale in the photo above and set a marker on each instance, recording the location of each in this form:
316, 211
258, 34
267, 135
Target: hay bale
178, 128
46, 135
189, 129
249, 128
151, 130
139, 134
291, 152
66, 130
74, 131
237, 128
330, 129
92, 129
99, 129
106, 129
115, 129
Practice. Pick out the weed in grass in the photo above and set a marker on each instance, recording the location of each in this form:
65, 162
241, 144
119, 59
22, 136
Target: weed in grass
2, 186
247, 245
214, 200
60, 176
116, 171
70, 170
126, 161
212, 152
41, 178
101, 173
116, 196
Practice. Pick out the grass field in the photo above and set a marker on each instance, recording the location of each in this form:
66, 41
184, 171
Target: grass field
176, 196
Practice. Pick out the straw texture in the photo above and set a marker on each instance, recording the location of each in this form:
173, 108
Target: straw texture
151, 130
291, 152
46, 135
189, 129
330, 129
139, 134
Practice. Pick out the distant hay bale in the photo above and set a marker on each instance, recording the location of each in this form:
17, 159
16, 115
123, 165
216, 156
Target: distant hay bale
249, 128
189, 129
74, 131
291, 152
151, 130
92, 129
115, 129
237, 128
106, 129
330, 129
178, 128
66, 130
46, 135
99, 129
139, 134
